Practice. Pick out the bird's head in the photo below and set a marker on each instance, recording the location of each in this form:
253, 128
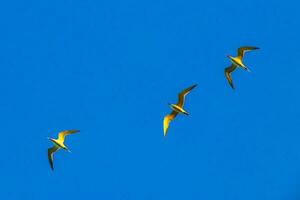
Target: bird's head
51, 139
171, 105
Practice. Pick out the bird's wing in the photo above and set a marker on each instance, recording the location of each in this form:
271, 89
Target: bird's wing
228, 71
244, 49
61, 135
182, 94
50, 155
167, 120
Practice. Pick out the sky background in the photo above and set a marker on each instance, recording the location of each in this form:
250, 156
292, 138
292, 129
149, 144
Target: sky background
109, 68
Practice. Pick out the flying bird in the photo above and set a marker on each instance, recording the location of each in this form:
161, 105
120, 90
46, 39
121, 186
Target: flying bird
237, 62
177, 108
58, 144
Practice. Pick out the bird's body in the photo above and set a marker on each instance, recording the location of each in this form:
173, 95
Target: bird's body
176, 108
237, 62
58, 144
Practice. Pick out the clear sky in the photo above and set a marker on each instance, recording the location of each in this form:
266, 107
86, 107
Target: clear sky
109, 68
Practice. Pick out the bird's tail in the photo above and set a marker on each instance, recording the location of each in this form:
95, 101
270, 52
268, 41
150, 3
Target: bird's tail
246, 68
184, 112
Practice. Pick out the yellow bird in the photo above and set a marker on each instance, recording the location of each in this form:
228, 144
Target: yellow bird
176, 108
237, 62
58, 144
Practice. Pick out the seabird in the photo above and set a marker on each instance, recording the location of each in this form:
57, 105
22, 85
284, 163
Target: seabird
237, 62
177, 108
58, 144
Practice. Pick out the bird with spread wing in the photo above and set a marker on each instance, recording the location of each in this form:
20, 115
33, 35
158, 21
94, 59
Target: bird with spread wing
58, 144
237, 62
177, 108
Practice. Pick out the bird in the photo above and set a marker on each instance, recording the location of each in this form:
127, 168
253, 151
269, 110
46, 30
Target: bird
58, 144
237, 62
177, 108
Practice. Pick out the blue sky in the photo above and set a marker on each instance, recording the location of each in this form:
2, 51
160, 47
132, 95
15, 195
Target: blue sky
109, 68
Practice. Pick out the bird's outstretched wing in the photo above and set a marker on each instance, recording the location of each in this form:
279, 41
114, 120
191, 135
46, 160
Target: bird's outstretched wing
228, 71
244, 49
167, 119
181, 95
51, 151
62, 134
